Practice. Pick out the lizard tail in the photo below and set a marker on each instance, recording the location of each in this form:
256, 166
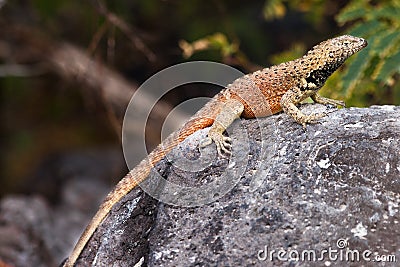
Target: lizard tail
140, 173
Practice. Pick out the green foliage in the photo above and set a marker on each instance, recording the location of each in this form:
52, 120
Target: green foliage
313, 10
371, 76
374, 72
217, 41
274, 9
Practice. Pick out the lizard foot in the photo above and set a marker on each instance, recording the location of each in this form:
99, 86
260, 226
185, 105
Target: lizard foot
313, 118
222, 142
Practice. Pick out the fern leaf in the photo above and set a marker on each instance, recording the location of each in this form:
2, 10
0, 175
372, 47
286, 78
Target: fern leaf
390, 12
353, 11
389, 67
365, 29
387, 42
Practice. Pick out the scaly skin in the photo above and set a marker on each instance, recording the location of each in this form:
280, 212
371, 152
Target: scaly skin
262, 93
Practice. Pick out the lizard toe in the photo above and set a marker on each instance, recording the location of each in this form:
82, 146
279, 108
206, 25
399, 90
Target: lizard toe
224, 146
223, 143
313, 118
223, 149
205, 142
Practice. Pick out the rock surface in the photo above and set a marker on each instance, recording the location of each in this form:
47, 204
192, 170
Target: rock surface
333, 187
41, 231
285, 194
336, 184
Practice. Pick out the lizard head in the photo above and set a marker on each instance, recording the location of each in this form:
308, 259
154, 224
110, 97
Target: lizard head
326, 57
333, 52
339, 48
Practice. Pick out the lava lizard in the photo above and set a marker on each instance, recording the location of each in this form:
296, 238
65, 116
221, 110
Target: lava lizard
258, 94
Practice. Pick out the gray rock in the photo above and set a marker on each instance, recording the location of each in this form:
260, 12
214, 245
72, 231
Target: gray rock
38, 231
23, 222
332, 188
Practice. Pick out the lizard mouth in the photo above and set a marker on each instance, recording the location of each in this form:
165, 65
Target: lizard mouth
364, 43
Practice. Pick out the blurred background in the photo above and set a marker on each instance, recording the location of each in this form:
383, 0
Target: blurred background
69, 68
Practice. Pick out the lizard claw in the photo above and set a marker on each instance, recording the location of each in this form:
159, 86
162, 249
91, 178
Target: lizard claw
205, 142
222, 142
224, 146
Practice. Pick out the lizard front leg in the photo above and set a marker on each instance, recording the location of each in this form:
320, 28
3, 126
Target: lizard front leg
288, 103
231, 110
323, 100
